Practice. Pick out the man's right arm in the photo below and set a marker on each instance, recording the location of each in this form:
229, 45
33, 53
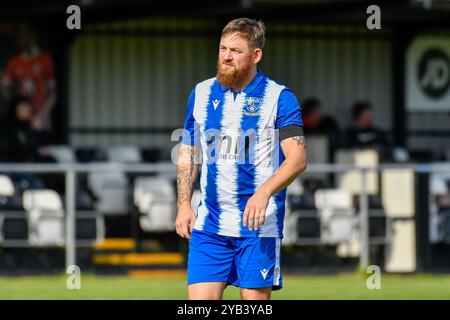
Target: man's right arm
187, 172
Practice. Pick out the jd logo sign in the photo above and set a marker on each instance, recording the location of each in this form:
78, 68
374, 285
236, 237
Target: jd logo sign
434, 73
427, 74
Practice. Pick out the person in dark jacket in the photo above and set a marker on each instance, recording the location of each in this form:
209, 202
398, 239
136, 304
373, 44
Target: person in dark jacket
21, 141
362, 133
315, 122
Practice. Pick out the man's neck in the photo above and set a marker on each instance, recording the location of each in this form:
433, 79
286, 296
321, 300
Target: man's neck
250, 76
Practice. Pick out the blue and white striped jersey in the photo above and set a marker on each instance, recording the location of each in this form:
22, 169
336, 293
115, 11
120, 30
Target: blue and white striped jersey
238, 134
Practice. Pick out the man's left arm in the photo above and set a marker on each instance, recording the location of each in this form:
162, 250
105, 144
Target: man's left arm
294, 151
290, 125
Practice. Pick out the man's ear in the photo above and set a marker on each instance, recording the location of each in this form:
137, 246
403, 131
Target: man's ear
257, 55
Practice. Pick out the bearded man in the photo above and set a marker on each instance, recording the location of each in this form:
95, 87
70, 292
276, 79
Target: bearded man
235, 124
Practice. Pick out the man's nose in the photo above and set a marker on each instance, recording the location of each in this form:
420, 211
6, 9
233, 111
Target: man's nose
228, 56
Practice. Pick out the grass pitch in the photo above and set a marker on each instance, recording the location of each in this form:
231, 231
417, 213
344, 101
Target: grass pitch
341, 286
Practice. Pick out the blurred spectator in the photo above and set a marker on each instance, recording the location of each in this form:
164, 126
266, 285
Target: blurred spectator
312, 113
314, 122
31, 74
22, 140
363, 133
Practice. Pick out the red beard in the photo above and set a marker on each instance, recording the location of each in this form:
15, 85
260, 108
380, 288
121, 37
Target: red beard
232, 77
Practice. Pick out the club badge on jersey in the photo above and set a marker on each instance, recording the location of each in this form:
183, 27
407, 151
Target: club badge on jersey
252, 106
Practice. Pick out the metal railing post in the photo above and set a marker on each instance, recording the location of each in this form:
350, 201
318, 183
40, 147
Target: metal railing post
70, 218
364, 221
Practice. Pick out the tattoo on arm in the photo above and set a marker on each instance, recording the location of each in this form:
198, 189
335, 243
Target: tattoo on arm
186, 175
182, 182
300, 140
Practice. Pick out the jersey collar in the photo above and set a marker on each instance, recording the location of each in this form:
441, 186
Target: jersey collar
254, 83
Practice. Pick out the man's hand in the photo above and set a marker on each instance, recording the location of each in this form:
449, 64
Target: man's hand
185, 221
255, 210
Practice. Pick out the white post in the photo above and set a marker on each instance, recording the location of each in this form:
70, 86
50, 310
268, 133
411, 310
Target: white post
70, 218
364, 221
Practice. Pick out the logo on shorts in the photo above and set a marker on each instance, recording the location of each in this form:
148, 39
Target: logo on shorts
264, 273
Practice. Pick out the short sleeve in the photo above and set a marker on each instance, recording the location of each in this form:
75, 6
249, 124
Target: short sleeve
191, 132
289, 111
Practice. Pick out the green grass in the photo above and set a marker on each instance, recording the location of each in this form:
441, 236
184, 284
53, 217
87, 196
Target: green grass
342, 286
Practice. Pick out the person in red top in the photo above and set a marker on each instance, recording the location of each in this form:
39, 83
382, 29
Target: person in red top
31, 74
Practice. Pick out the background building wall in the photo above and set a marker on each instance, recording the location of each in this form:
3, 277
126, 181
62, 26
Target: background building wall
129, 82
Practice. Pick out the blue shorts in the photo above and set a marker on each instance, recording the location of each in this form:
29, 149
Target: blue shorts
249, 262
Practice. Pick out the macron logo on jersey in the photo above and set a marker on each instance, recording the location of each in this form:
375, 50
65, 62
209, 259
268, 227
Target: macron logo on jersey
216, 103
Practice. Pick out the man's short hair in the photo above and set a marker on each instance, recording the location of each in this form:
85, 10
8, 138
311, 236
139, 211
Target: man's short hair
359, 108
251, 30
